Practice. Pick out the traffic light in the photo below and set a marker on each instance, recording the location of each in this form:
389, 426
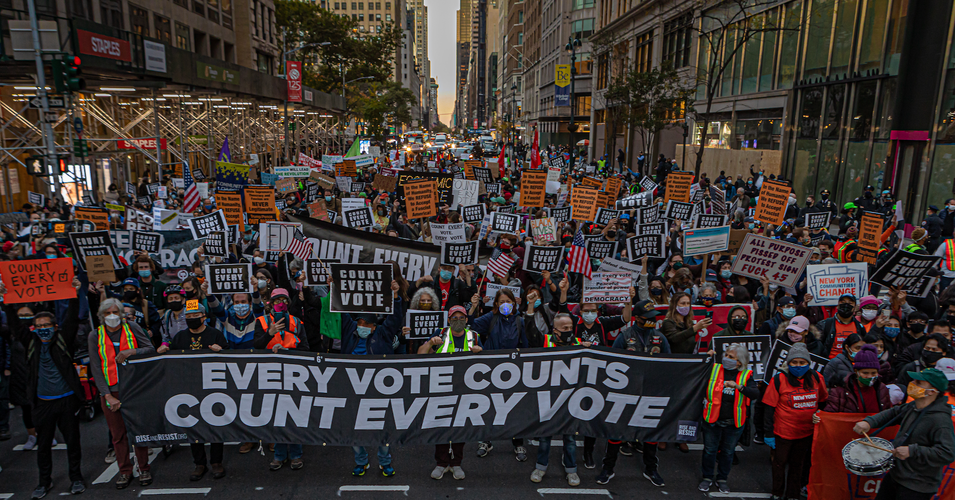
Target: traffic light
62, 165
71, 74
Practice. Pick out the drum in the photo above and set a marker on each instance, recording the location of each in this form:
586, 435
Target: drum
865, 460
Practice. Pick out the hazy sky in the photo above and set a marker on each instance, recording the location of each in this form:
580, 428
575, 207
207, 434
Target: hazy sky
442, 38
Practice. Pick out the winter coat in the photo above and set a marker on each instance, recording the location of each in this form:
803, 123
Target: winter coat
382, 340
729, 331
813, 340
837, 370
846, 398
500, 332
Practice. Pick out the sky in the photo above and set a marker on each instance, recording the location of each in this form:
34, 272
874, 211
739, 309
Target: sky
442, 38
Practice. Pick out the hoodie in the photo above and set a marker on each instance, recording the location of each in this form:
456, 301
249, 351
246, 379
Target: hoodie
729, 331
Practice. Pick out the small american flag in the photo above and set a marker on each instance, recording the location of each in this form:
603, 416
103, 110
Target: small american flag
501, 265
190, 201
578, 259
300, 247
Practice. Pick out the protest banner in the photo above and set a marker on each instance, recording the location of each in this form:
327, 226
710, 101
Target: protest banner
443, 185
709, 220
678, 187
36, 198
216, 244
648, 215
870, 238
604, 216
293, 172
780, 262
904, 270
777, 360
607, 288
100, 268
465, 193
651, 245
230, 202
542, 230
358, 218
644, 199
146, 242
539, 258
533, 188
420, 198
680, 211
562, 214
37, 280
817, 220
611, 265
453, 254
317, 271
827, 282
598, 249
98, 216
276, 236
92, 243
201, 226
773, 200
229, 278
492, 288
473, 213
706, 241
584, 203
655, 228
231, 176
758, 347
329, 161
425, 324
447, 233
736, 240
505, 223
260, 204
361, 288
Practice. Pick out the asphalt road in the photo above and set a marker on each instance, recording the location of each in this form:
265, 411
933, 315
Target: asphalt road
327, 473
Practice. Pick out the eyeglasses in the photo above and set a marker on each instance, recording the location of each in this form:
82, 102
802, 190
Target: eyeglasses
45, 325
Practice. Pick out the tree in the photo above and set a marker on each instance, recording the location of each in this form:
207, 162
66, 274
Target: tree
654, 98
380, 105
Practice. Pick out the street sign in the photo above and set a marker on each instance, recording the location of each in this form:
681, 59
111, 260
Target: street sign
50, 117
78, 124
54, 102
80, 148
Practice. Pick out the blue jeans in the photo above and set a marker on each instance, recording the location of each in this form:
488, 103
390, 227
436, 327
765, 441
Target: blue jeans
570, 453
361, 456
286, 451
719, 443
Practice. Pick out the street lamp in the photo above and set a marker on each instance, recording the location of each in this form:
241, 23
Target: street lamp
572, 45
285, 54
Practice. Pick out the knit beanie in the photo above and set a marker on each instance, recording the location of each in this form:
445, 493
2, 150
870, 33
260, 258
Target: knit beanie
867, 357
799, 350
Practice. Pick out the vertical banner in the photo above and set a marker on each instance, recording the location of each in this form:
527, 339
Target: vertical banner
678, 186
870, 237
294, 78
562, 85
773, 199
533, 186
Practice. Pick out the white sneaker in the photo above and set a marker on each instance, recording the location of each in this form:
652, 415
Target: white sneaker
457, 472
537, 476
439, 471
573, 479
30, 444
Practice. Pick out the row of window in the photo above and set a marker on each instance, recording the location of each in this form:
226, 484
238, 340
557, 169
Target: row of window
210, 9
361, 6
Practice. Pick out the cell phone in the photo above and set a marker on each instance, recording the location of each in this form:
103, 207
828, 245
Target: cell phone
886, 312
708, 314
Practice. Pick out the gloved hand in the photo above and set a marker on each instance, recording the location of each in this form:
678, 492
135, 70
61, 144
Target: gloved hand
771, 442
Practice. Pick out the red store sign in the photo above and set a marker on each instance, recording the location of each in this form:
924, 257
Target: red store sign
142, 143
94, 44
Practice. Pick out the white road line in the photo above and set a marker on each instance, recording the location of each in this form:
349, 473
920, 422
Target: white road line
176, 491
739, 495
59, 446
555, 442
230, 443
113, 469
573, 491
699, 447
5, 496
403, 488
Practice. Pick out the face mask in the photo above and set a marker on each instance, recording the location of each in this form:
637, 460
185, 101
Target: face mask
130, 296
51, 256
773, 287
589, 316
707, 301
175, 306
891, 332
262, 284
867, 382
794, 336
726, 274
789, 312
677, 265
825, 197
424, 306
869, 314
798, 371
656, 291
683, 310
247, 237
112, 320
931, 357
752, 225
145, 273
45, 334
258, 260
852, 354
209, 207
729, 363
537, 303
328, 198
845, 310
649, 324
739, 324
951, 207
191, 294
914, 391
506, 308
242, 309
458, 325
193, 323
917, 327
280, 307
446, 275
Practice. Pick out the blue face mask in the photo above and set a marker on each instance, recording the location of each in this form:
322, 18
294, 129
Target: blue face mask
752, 226
726, 274
363, 331
328, 198
145, 273
446, 275
210, 207
242, 309
247, 237
891, 332
798, 371
537, 303
506, 308
789, 312
45, 334
51, 255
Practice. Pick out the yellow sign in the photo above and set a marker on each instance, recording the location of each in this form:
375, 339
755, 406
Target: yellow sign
562, 75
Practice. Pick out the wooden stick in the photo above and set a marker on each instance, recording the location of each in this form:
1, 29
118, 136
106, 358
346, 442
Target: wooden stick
875, 446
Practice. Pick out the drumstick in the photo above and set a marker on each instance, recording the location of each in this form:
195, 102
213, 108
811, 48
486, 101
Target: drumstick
875, 446
867, 437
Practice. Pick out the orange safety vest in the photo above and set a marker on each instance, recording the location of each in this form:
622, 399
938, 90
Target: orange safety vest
950, 254
286, 339
841, 251
107, 351
714, 394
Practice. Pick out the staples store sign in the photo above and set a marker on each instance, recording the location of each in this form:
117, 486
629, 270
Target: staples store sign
142, 143
98, 45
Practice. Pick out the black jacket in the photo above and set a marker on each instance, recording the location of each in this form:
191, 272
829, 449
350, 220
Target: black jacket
62, 348
459, 293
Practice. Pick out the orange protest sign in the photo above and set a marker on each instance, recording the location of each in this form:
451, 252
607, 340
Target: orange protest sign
678, 186
260, 204
317, 211
533, 187
613, 186
421, 198
38, 280
584, 201
773, 199
469, 169
231, 204
346, 168
98, 216
870, 238
590, 182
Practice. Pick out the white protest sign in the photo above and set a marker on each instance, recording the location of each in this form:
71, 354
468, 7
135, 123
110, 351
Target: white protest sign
828, 282
611, 265
492, 289
464, 193
607, 288
447, 233
778, 261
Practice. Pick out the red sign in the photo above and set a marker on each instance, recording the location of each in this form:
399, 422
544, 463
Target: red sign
38, 280
294, 78
142, 143
98, 45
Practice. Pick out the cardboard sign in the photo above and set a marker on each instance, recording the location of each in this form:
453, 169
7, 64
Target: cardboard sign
542, 229
778, 261
100, 268
465, 193
607, 288
317, 271
773, 200
384, 183
736, 240
229, 278
678, 186
469, 167
362, 288
453, 254
651, 245
777, 360
542, 258
533, 188
323, 180
424, 324
421, 199
473, 213
260, 204
817, 220
92, 243
216, 244
98, 216
230, 202
706, 241
827, 282
870, 238
37, 280
677, 210
904, 270
203, 225
358, 218
286, 186
505, 223
146, 242
758, 347
584, 203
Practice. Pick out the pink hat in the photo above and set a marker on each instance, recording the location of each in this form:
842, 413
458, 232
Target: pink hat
459, 309
869, 300
799, 323
279, 292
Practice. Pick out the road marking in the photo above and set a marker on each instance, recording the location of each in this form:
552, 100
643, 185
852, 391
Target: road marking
556, 442
230, 443
699, 447
5, 496
573, 491
357, 487
739, 495
176, 491
59, 446
113, 469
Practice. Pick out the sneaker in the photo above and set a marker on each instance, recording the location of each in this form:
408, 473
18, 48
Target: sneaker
654, 478
573, 479
246, 447
626, 449
589, 461
457, 472
605, 476
705, 484
110, 455
484, 448
723, 486
123, 481
145, 478
537, 476
297, 463
275, 465
42, 490
77, 488
359, 470
439, 472
637, 447
198, 473
758, 439
30, 444
521, 453
218, 471
387, 470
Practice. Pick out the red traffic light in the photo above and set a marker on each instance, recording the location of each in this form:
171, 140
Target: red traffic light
62, 165
74, 60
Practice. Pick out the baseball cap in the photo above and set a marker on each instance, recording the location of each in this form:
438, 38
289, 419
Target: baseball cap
710, 275
366, 317
785, 301
946, 366
459, 309
498, 200
131, 281
645, 309
197, 307
279, 292
799, 324
932, 376
848, 295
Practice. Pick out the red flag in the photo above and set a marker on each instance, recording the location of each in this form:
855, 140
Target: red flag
535, 152
500, 162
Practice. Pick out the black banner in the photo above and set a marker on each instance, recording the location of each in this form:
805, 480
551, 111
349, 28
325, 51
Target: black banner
648, 215
678, 210
424, 323
229, 278
757, 345
655, 228
604, 216
817, 220
203, 225
562, 214
473, 213
359, 218
361, 288
542, 258
317, 271
505, 223
904, 270
147, 242
709, 220
216, 245
651, 245
600, 249
453, 254
643, 199
777, 360
341, 400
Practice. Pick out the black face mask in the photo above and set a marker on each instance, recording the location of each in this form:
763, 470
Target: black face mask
193, 323
917, 327
175, 306
739, 324
930, 357
191, 294
845, 310
130, 296
565, 337
656, 291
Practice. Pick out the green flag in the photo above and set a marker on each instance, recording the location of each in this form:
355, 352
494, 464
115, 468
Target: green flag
354, 150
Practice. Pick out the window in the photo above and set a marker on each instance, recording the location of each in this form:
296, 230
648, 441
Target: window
388, 18
377, 17
264, 63
111, 13
198, 8
520, 17
676, 40
520, 38
182, 36
582, 105
387, 5
603, 69
227, 13
361, 28
361, 5
163, 29
583, 4
361, 17
377, 5
378, 29
643, 60
354, 17
336, 6
583, 64
139, 20
582, 28
182, 3
81, 8
354, 6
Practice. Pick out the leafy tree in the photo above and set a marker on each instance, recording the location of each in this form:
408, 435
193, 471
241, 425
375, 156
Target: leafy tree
653, 99
380, 105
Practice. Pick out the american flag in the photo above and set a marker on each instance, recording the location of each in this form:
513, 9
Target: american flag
578, 259
191, 200
501, 265
300, 247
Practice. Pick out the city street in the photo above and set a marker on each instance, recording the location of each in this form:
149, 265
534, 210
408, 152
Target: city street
327, 473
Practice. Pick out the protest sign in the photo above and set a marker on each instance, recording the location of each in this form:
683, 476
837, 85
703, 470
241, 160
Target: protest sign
469, 167
317, 271
613, 186
607, 288
230, 202
165, 220
154, 187
505, 223
229, 278
777, 360
492, 288
493, 188
562, 214
648, 215
904, 270
827, 282
286, 186
611, 265
425, 324
533, 188
362, 288
358, 186
420, 198
655, 228
37, 280
294, 172
231, 176
817, 220
130, 189
36, 198
98, 216
778, 261
678, 186
647, 183
773, 200
216, 244
542, 258
584, 203
346, 168
604, 216
100, 268
644, 199
201, 226
473, 213
590, 182
276, 236
260, 204
542, 229
676, 210
358, 218
384, 183
146, 242
92, 243
453, 254
598, 249
705, 241
447, 233
443, 189
651, 245
465, 193
344, 184
736, 240
870, 238
709, 220
352, 204
332, 215
758, 347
